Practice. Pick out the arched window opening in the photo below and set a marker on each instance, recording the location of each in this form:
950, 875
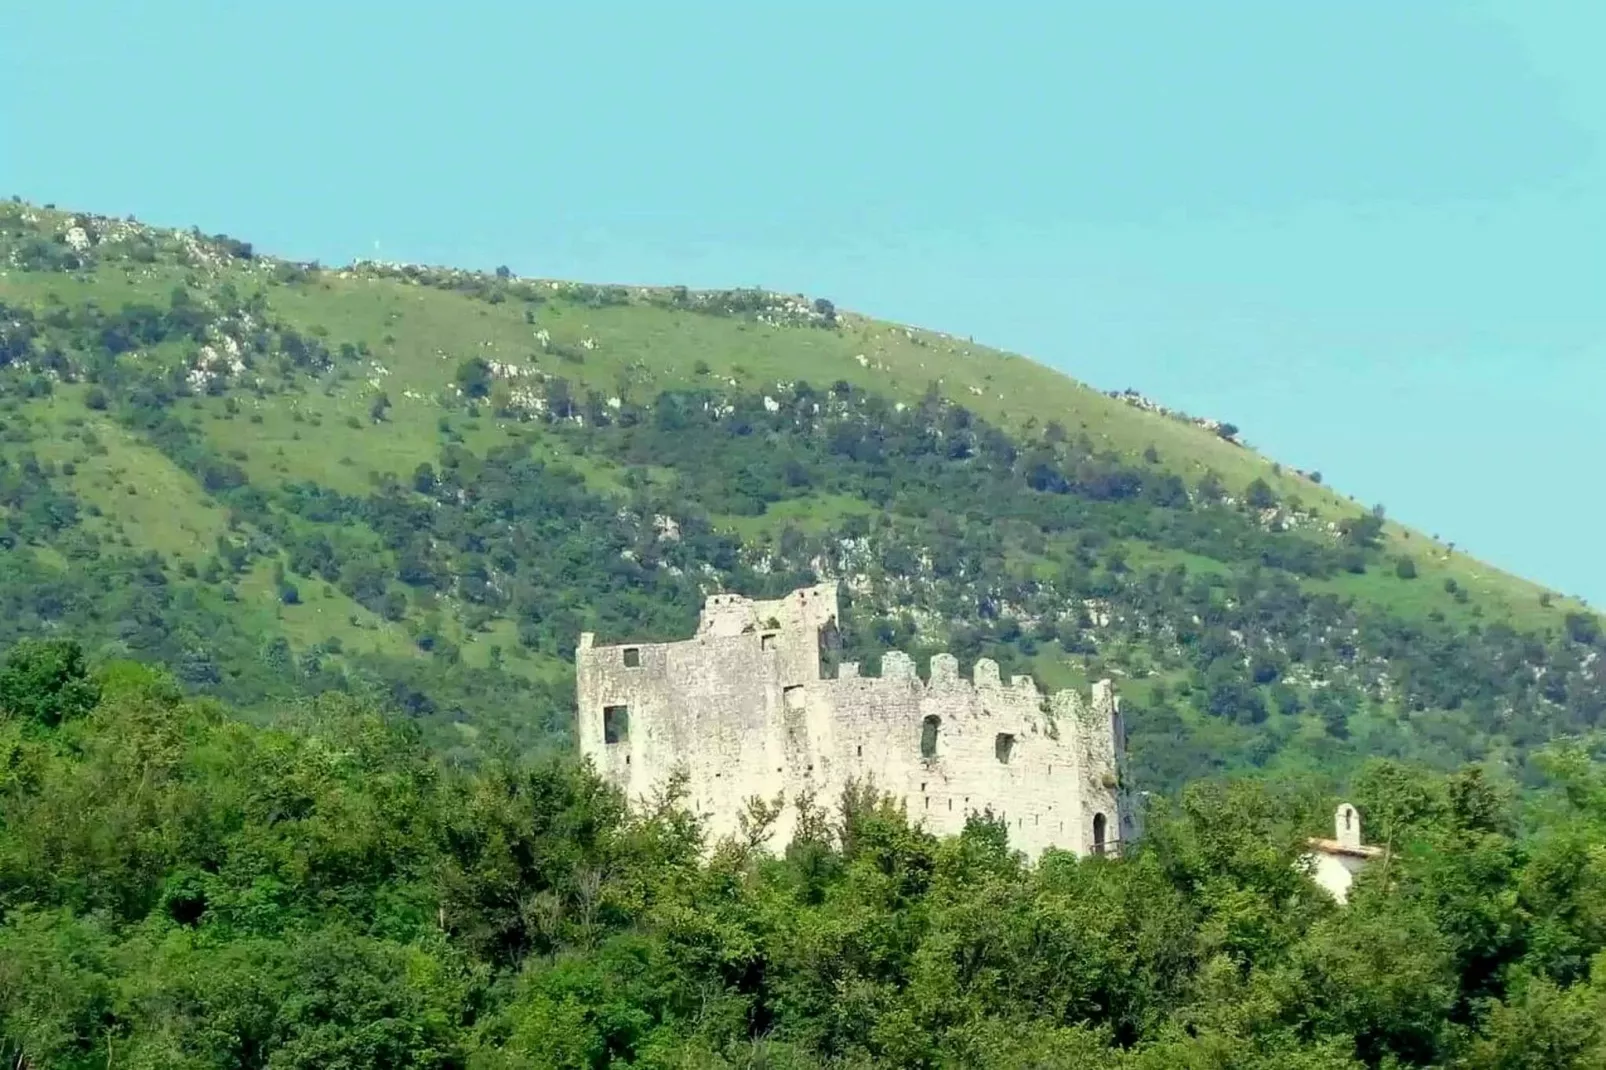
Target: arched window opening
1349, 816
1003, 747
928, 735
1099, 823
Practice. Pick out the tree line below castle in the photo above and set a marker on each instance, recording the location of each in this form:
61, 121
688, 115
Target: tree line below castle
181, 888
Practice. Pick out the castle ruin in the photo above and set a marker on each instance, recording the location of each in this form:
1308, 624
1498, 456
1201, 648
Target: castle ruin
744, 709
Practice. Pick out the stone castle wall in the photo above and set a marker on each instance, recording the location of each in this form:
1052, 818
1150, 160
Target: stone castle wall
743, 709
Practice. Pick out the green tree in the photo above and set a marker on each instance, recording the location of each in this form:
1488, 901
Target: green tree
1583, 627
46, 681
1365, 532
1259, 495
1544, 1027
474, 378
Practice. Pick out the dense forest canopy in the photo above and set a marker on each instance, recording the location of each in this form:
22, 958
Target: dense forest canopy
182, 889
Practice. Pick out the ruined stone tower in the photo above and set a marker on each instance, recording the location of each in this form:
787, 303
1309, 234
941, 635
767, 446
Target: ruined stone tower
744, 708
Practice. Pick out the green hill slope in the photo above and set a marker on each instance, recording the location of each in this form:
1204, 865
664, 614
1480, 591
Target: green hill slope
278, 478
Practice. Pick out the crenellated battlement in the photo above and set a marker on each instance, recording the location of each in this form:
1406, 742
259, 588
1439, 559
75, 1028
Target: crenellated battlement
744, 709
943, 676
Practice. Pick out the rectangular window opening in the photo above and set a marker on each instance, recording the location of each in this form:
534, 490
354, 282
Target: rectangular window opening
766, 641
792, 697
615, 724
632, 657
1003, 747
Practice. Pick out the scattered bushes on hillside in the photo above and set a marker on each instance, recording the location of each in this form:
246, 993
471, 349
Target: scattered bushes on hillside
956, 534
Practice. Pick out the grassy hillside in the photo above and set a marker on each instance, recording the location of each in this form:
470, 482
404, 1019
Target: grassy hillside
280, 478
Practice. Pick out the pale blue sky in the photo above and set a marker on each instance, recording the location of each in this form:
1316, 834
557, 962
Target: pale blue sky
1373, 234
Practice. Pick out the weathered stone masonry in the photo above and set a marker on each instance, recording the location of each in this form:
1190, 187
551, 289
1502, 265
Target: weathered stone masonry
744, 710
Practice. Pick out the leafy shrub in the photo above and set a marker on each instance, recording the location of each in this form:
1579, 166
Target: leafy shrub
46, 681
